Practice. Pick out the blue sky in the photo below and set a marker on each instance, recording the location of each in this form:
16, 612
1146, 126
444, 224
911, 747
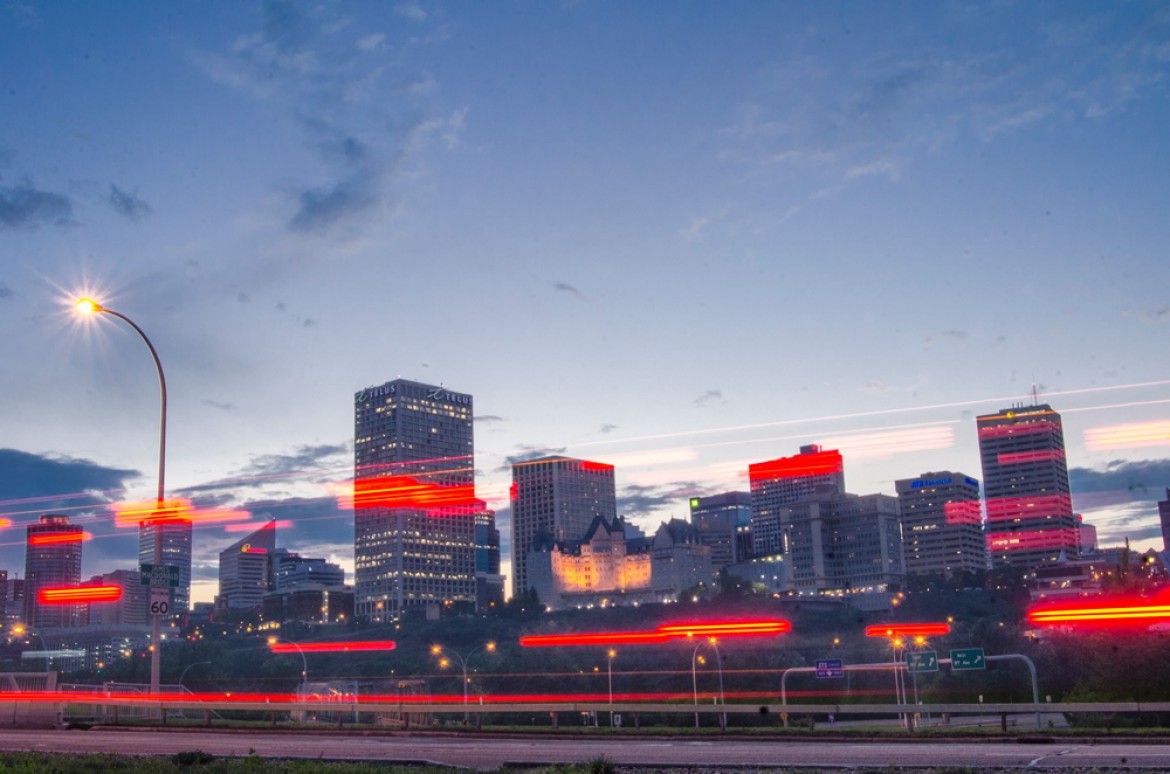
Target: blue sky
679, 238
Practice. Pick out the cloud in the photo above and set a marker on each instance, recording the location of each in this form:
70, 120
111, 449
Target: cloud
1120, 481
875, 167
411, 11
304, 459
24, 206
5, 291
699, 224
638, 498
710, 398
527, 453
306, 464
607, 428
488, 418
24, 15
128, 204
221, 406
342, 89
564, 287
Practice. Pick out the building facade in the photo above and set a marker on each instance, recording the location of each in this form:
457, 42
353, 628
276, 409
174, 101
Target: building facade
942, 524
556, 498
1164, 516
602, 568
52, 560
781, 482
175, 538
244, 569
723, 522
1030, 518
414, 500
489, 581
289, 571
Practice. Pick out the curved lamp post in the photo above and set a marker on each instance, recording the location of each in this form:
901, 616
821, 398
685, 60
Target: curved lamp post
304, 665
19, 630
437, 650
89, 306
188, 668
695, 679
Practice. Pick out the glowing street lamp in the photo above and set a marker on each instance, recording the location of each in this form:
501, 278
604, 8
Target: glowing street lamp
609, 673
89, 306
445, 662
272, 645
21, 630
714, 644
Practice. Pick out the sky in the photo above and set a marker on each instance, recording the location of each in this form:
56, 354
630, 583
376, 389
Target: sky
678, 238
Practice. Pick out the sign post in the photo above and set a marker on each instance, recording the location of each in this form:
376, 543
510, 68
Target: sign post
968, 658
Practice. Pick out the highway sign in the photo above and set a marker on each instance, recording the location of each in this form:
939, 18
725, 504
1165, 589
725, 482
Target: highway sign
830, 667
159, 575
968, 658
160, 600
922, 661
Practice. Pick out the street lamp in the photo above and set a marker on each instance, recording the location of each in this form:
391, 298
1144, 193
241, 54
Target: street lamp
18, 630
89, 306
609, 673
188, 668
437, 650
304, 665
713, 642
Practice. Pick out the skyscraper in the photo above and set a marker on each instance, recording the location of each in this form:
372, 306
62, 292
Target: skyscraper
244, 569
942, 524
558, 498
176, 552
414, 499
1164, 516
722, 521
52, 560
1030, 518
780, 482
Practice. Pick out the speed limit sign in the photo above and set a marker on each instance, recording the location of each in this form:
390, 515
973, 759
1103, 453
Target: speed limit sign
160, 601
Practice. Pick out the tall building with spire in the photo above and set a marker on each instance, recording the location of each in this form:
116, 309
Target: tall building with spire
556, 498
414, 500
1030, 519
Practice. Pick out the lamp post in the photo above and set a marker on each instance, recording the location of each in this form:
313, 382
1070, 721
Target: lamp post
695, 678
437, 650
609, 674
89, 306
304, 665
187, 669
25, 630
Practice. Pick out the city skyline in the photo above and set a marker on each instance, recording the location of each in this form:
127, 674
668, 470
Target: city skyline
678, 243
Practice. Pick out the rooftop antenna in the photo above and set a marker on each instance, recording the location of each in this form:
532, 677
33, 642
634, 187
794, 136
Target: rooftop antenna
1035, 393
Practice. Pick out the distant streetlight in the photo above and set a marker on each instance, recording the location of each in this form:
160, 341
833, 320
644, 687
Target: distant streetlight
609, 672
18, 630
714, 644
89, 306
188, 669
304, 665
437, 650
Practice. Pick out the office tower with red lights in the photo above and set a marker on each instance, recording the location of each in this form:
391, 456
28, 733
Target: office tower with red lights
1030, 519
414, 500
556, 498
942, 524
784, 481
52, 560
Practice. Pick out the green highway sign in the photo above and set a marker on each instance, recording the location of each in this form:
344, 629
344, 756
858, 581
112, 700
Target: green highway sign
968, 658
922, 661
159, 575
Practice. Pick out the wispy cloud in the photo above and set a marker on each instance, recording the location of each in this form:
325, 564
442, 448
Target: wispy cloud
710, 398
564, 287
26, 207
488, 418
5, 291
129, 205
218, 405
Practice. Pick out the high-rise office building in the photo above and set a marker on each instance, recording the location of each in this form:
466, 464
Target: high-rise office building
489, 581
942, 524
130, 610
52, 560
243, 569
1030, 518
557, 498
1164, 515
780, 482
723, 524
289, 572
176, 552
414, 499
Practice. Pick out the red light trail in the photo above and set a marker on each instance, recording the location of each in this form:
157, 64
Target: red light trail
333, 647
663, 633
1104, 613
59, 539
74, 595
907, 630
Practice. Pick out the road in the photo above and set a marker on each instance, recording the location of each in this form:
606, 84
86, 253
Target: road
491, 752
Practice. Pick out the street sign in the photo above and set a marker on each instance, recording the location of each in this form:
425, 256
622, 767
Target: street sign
160, 600
159, 575
968, 658
922, 661
830, 667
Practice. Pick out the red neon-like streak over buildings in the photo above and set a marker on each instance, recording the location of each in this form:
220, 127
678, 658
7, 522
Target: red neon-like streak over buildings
177, 511
663, 633
73, 595
813, 464
333, 647
1104, 613
51, 539
407, 492
908, 630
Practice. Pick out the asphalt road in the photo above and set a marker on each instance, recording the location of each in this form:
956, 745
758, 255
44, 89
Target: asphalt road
492, 752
